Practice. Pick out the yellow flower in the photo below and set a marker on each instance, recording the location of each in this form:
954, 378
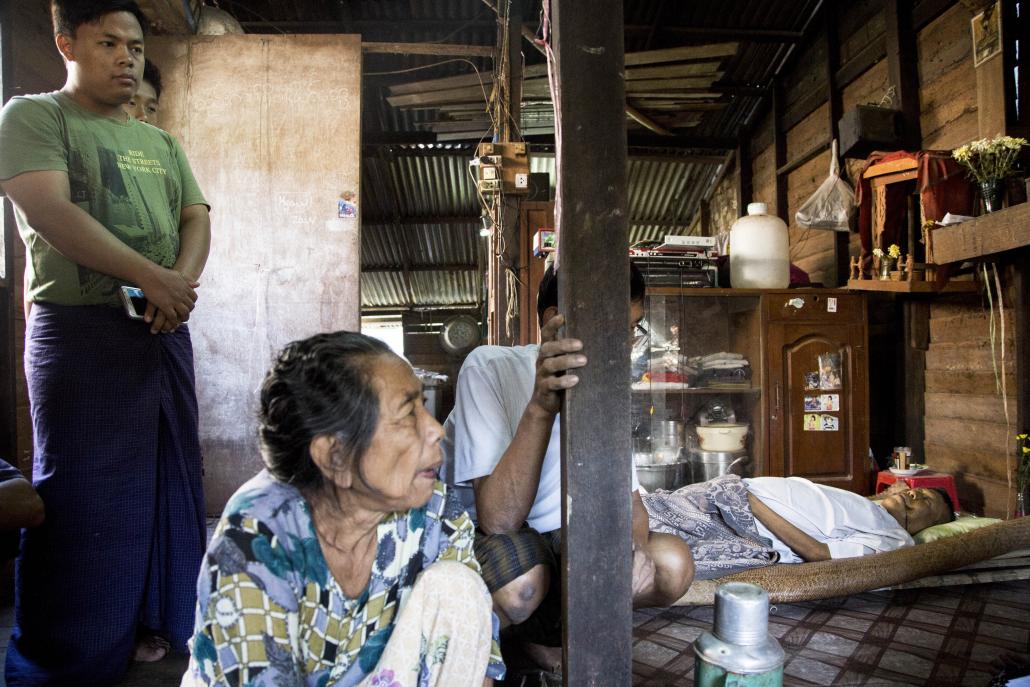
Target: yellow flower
1022, 436
893, 251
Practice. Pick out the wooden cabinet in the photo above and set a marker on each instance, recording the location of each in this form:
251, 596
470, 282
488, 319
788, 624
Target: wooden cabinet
821, 433
792, 339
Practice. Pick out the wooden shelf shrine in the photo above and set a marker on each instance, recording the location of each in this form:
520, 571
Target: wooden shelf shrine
894, 171
996, 232
882, 285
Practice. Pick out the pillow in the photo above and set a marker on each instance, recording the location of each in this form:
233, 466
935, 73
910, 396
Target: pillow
961, 525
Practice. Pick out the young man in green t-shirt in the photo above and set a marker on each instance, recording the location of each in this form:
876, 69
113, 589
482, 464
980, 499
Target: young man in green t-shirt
104, 201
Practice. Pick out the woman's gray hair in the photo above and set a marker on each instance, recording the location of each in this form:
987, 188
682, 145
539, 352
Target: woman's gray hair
319, 386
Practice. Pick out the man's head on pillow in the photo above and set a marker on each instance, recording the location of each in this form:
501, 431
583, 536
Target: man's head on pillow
917, 509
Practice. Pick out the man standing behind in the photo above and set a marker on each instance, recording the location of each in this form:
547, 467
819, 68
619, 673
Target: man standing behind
104, 201
145, 103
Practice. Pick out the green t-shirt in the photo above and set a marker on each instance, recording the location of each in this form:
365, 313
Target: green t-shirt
131, 177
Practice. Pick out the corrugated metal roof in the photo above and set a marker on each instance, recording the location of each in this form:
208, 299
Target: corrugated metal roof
419, 205
427, 289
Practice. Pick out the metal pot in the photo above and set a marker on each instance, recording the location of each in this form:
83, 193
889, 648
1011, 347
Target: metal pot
669, 477
706, 465
667, 433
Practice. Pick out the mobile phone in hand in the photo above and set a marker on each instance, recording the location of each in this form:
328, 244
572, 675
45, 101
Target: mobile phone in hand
134, 301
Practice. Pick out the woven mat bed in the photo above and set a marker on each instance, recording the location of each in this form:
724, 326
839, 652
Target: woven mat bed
790, 582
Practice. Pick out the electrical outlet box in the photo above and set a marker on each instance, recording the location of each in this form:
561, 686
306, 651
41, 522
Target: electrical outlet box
512, 165
489, 185
488, 172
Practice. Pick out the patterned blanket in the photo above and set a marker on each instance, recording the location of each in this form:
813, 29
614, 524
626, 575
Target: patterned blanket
715, 520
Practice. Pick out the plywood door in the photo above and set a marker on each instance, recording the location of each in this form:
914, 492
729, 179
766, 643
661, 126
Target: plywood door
271, 125
836, 457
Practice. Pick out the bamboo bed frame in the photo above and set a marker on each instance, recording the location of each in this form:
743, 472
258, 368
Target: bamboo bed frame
995, 553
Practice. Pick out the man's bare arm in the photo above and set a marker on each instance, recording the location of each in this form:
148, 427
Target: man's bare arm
194, 241
194, 246
505, 496
45, 199
807, 548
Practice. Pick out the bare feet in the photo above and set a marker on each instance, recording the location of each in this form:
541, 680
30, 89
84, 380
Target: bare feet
151, 648
547, 657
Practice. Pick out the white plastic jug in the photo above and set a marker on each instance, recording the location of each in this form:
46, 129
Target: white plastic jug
759, 251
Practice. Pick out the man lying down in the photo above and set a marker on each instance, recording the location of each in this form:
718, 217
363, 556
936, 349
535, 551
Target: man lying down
732, 524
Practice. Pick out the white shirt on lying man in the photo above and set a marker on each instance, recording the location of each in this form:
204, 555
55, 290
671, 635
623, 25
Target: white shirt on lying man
847, 523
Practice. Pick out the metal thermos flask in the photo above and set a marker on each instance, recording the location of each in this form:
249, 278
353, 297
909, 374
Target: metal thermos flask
739, 651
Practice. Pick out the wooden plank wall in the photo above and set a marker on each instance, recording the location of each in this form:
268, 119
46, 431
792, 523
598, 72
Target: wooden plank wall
36, 68
965, 427
964, 418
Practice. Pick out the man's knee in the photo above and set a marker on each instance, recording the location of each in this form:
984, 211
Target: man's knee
674, 566
517, 600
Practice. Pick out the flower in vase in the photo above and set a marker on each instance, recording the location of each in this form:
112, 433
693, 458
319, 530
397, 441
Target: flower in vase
878, 252
989, 159
893, 251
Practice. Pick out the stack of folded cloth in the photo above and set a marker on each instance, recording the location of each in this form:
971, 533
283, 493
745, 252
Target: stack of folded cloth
669, 368
723, 371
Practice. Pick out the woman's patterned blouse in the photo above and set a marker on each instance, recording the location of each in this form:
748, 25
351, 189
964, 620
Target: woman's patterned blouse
269, 612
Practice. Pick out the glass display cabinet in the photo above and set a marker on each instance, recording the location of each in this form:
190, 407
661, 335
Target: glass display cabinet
754, 382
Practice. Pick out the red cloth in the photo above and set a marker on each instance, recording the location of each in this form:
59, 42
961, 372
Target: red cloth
943, 187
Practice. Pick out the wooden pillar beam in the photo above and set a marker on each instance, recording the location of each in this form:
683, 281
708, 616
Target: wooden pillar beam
172, 17
506, 248
745, 176
594, 295
841, 239
442, 49
706, 218
903, 68
916, 342
780, 149
1021, 307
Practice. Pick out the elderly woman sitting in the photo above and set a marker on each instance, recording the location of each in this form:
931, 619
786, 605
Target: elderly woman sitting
344, 562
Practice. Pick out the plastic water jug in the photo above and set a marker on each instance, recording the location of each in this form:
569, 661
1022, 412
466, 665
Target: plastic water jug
759, 251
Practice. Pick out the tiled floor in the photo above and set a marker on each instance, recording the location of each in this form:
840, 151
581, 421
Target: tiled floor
941, 637
915, 637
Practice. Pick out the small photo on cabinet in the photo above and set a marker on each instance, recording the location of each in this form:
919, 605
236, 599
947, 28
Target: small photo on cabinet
829, 371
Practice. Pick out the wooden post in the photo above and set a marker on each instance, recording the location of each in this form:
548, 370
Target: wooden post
9, 362
835, 106
594, 295
745, 176
506, 234
916, 342
903, 67
780, 149
1021, 286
